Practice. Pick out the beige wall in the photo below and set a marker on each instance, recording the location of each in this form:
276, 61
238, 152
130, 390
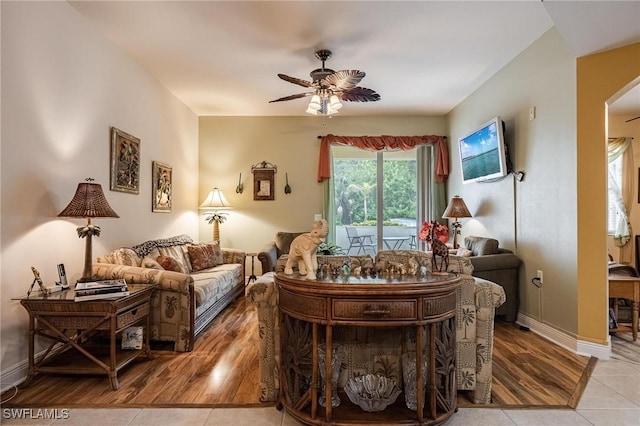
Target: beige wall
600, 77
535, 217
230, 145
63, 86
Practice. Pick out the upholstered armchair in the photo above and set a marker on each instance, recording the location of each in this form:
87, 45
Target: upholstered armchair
475, 311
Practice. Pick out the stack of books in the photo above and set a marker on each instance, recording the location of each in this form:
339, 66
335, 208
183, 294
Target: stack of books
105, 289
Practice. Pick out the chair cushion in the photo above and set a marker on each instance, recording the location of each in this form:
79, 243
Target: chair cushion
481, 246
283, 241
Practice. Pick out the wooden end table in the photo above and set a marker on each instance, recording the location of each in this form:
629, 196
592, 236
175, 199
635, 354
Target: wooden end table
622, 287
73, 327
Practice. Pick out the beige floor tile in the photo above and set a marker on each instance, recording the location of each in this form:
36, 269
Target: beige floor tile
172, 417
616, 368
598, 395
546, 418
99, 416
290, 421
480, 417
629, 387
620, 417
267, 416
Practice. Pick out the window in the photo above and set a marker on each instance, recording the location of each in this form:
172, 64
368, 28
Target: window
615, 178
378, 195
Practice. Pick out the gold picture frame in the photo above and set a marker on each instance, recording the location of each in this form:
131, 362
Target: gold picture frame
125, 162
162, 187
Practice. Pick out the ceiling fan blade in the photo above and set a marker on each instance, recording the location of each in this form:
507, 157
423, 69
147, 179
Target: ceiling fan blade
298, 81
359, 94
291, 97
344, 79
634, 118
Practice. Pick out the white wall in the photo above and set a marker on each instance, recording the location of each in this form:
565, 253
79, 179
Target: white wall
63, 86
535, 217
230, 145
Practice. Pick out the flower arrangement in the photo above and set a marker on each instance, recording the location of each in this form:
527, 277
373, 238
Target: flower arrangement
441, 231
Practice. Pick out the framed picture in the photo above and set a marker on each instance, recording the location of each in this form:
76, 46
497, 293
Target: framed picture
263, 181
125, 162
162, 186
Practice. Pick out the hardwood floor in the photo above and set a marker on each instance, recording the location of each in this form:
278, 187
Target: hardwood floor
222, 370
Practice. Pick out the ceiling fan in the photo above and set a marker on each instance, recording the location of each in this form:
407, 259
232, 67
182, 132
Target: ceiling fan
330, 88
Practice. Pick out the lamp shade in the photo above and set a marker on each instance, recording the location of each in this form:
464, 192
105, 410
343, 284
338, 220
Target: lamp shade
89, 201
456, 209
216, 200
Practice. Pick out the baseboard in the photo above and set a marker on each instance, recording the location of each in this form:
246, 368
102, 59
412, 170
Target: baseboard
15, 375
570, 343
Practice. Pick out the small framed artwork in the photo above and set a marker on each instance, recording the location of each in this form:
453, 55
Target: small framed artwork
162, 187
125, 162
263, 181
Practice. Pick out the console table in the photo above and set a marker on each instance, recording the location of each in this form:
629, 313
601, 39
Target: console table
309, 309
73, 328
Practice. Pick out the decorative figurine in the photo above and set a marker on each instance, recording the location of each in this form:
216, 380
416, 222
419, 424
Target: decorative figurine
303, 250
439, 249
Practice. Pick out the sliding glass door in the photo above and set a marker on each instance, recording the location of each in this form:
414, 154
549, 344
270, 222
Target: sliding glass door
378, 198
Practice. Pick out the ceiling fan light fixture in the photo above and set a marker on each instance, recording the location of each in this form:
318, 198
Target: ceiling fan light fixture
335, 102
312, 111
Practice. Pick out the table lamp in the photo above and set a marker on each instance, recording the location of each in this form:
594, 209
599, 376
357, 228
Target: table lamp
88, 202
455, 210
215, 201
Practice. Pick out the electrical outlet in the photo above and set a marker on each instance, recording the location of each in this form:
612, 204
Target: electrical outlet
532, 113
317, 217
539, 276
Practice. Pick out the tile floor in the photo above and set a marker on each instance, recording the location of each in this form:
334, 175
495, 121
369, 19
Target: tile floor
611, 398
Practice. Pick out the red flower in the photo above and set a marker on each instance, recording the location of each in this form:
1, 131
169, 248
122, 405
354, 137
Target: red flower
441, 231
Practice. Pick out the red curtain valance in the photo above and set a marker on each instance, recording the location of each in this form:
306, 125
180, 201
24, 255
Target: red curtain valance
378, 143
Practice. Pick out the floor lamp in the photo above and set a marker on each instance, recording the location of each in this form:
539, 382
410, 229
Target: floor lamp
455, 210
88, 202
215, 202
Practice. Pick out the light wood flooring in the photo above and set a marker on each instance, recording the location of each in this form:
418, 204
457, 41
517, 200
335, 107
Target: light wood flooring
222, 370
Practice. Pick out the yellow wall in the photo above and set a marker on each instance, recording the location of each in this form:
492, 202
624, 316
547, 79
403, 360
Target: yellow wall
599, 77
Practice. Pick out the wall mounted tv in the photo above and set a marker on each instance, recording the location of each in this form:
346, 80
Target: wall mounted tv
483, 153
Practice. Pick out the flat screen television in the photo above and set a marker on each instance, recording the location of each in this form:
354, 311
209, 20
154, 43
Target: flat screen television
483, 153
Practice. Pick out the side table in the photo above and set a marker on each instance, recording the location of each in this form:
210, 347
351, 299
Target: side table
72, 327
626, 288
252, 277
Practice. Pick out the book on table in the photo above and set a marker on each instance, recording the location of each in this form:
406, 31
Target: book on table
106, 289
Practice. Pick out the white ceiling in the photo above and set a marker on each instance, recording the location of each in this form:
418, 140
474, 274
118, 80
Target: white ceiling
422, 57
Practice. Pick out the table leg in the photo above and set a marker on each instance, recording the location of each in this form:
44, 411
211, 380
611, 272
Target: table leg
32, 336
634, 321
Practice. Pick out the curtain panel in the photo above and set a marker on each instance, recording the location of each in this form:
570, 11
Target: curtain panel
622, 193
379, 143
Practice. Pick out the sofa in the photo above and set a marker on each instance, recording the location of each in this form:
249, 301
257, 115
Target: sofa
195, 283
477, 300
498, 265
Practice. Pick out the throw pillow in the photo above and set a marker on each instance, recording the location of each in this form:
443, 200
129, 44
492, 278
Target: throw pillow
126, 256
463, 252
481, 246
202, 256
179, 254
217, 252
150, 263
169, 263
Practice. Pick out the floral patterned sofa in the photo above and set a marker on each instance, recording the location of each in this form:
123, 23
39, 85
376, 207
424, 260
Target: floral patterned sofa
475, 312
195, 283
